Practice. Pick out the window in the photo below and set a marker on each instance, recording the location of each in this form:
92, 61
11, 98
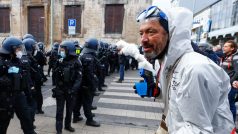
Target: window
114, 14
235, 14
221, 15
73, 12
4, 20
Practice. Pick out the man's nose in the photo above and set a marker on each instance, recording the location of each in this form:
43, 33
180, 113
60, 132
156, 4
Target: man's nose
144, 38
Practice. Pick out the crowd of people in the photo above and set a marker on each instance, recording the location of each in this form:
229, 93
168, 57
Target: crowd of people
78, 74
198, 83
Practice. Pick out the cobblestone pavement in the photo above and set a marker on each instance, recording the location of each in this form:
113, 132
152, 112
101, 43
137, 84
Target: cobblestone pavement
119, 110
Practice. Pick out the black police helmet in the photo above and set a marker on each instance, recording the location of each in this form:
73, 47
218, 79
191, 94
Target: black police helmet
56, 46
70, 47
101, 46
29, 44
92, 44
26, 36
41, 45
76, 43
9, 44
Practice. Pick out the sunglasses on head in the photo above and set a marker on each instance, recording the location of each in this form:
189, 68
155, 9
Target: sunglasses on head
152, 11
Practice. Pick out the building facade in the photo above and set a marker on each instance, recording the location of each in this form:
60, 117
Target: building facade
215, 21
50, 21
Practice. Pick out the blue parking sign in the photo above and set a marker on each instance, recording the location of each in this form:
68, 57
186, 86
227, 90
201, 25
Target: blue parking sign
72, 22
71, 26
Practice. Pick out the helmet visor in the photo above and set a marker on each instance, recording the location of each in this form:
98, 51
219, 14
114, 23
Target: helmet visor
20, 48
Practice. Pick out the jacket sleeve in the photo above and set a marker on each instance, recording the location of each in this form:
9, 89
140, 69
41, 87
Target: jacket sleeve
78, 75
197, 99
235, 67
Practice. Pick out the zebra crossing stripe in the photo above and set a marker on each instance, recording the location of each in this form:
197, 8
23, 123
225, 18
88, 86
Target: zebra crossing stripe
128, 113
121, 94
127, 80
120, 88
130, 78
123, 84
131, 102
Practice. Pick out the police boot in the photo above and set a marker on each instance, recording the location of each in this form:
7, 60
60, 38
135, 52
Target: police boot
77, 119
92, 123
93, 115
104, 85
69, 128
93, 107
100, 89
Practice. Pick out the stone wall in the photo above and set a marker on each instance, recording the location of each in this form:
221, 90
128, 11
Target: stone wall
92, 19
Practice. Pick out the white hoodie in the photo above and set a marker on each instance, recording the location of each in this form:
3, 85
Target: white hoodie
198, 93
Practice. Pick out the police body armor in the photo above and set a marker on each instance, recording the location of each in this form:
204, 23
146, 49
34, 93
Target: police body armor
65, 77
10, 83
35, 71
5, 82
88, 70
26, 68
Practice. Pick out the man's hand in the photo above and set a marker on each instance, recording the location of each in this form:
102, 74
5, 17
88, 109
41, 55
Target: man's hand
235, 84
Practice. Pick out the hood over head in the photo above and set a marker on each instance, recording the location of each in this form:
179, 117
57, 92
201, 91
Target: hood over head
180, 24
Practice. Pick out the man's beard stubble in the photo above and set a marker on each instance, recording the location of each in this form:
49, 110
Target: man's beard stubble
154, 56
150, 55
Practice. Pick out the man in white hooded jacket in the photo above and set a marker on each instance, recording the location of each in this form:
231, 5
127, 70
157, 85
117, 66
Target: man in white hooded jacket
194, 88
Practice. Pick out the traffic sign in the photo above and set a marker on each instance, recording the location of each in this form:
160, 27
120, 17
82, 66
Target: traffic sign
71, 26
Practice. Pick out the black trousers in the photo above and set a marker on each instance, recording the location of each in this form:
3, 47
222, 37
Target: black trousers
84, 98
49, 68
60, 102
38, 97
23, 113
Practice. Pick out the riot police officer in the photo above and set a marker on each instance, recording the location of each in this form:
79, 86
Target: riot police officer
41, 46
113, 60
88, 86
53, 57
68, 74
77, 46
36, 73
12, 95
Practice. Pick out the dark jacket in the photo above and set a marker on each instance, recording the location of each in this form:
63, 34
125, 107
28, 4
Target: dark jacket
89, 63
53, 56
230, 64
68, 75
122, 59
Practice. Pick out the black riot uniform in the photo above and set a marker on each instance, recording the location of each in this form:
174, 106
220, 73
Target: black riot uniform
53, 57
36, 74
12, 85
103, 64
113, 60
88, 86
78, 48
68, 74
40, 56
